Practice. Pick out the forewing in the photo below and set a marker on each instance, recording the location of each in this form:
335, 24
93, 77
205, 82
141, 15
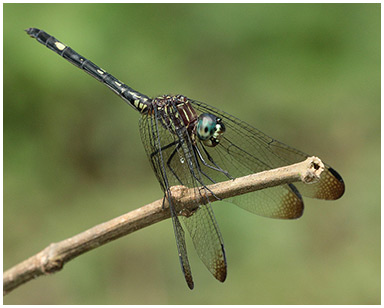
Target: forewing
330, 186
244, 150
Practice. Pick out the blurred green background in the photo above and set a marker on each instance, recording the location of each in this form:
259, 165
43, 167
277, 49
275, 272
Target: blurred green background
306, 74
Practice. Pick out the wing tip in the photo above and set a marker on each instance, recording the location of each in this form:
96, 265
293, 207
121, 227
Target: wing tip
296, 203
221, 267
339, 184
190, 284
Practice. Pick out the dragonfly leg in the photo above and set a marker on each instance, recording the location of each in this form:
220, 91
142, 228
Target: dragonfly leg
200, 170
170, 159
172, 156
164, 148
217, 168
177, 143
199, 180
163, 203
208, 177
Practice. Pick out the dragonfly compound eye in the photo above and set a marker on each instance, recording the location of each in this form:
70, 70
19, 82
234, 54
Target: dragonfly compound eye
209, 129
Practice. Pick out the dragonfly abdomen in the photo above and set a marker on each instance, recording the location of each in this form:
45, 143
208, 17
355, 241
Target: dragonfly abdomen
138, 101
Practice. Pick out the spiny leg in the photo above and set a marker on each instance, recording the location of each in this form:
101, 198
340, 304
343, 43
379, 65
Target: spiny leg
190, 165
172, 156
200, 170
164, 148
212, 161
170, 159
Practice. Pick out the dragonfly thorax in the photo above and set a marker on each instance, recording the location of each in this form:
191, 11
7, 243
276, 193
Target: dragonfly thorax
176, 113
209, 129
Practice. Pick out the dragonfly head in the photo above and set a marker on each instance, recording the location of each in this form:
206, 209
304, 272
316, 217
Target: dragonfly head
209, 129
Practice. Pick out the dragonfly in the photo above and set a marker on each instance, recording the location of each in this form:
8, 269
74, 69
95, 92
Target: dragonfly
193, 144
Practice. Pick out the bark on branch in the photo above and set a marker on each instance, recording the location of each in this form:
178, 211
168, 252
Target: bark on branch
53, 257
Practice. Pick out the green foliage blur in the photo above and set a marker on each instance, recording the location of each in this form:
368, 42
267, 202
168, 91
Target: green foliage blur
306, 74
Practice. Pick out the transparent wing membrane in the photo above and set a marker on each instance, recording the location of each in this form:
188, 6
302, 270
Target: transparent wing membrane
244, 149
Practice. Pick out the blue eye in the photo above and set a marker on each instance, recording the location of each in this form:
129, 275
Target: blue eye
209, 129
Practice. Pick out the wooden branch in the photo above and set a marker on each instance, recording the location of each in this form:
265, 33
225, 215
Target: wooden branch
53, 257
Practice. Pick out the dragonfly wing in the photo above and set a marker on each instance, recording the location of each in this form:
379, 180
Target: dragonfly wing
182, 249
330, 186
207, 240
282, 201
244, 150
